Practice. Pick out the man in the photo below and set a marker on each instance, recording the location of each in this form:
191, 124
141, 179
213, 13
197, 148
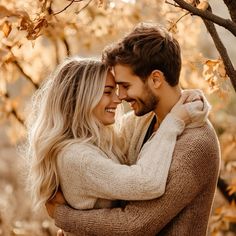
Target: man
147, 66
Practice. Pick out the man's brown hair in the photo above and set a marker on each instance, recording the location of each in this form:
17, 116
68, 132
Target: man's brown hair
148, 47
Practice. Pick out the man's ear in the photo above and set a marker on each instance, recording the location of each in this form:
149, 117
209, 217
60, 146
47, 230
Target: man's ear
156, 79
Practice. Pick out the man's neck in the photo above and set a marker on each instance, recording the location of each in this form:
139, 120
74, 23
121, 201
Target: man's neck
167, 101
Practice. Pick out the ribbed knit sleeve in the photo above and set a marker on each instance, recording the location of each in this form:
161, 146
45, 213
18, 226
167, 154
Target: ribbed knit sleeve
84, 172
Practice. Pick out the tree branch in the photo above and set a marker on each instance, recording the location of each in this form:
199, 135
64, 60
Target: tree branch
226, 23
222, 50
231, 4
216, 39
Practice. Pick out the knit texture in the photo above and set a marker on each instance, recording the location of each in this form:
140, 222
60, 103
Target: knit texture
185, 207
87, 174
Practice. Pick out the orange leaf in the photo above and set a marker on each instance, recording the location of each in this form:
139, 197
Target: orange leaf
203, 5
6, 28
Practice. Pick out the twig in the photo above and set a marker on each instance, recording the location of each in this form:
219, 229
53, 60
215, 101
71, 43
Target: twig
172, 4
187, 13
77, 12
226, 23
64, 8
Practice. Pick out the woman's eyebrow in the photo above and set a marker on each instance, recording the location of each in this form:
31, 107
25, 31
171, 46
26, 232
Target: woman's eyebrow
109, 86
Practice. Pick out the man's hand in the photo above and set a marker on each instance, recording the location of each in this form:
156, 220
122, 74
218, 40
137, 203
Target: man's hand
51, 204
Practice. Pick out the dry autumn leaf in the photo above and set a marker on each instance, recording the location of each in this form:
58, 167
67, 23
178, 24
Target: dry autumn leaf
203, 5
6, 28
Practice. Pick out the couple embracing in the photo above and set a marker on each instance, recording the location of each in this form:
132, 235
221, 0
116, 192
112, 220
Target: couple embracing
152, 171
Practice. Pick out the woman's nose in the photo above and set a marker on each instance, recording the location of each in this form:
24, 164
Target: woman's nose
116, 99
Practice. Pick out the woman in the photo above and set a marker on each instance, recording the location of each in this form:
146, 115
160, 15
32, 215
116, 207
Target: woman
72, 143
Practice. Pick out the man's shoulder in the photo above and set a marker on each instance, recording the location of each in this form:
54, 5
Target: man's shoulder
198, 150
204, 132
199, 139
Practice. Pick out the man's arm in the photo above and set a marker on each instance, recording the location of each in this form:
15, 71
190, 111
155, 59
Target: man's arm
188, 177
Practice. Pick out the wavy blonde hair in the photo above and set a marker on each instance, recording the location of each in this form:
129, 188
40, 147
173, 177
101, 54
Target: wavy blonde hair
62, 114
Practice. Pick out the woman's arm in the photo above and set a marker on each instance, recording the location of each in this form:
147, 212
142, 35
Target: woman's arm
101, 177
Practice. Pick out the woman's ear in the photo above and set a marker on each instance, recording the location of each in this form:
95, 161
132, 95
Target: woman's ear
156, 78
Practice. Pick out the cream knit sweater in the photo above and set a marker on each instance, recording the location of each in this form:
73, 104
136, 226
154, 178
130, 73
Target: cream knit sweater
87, 175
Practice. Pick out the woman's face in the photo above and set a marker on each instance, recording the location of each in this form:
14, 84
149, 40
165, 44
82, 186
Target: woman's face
106, 108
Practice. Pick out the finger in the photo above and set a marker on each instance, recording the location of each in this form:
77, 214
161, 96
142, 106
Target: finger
198, 105
60, 233
193, 94
193, 97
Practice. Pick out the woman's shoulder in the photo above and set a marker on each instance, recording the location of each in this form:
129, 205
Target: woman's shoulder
79, 148
77, 155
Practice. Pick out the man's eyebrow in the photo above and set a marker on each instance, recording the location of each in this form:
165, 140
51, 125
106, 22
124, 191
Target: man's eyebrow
109, 86
121, 82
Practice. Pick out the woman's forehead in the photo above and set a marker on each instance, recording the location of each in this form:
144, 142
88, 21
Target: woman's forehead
110, 80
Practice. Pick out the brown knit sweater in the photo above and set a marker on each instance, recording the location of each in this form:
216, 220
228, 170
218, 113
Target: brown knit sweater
185, 207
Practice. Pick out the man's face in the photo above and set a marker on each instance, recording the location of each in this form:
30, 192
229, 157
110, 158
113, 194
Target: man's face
133, 90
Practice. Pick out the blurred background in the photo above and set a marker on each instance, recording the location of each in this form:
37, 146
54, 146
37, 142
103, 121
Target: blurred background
37, 35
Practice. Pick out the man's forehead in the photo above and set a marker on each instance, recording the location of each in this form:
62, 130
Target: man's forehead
121, 80
120, 75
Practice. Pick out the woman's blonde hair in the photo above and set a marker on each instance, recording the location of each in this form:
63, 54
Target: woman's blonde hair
62, 114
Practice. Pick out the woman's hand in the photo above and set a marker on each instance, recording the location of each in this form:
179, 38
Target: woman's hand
190, 100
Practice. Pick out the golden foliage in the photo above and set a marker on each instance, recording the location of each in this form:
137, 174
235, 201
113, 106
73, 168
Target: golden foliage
35, 37
215, 74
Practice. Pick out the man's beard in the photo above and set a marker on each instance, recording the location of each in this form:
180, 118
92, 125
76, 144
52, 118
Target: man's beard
147, 105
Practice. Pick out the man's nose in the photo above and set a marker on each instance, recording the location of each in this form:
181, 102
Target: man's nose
122, 94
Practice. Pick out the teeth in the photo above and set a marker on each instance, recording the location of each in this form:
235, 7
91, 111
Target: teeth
111, 110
